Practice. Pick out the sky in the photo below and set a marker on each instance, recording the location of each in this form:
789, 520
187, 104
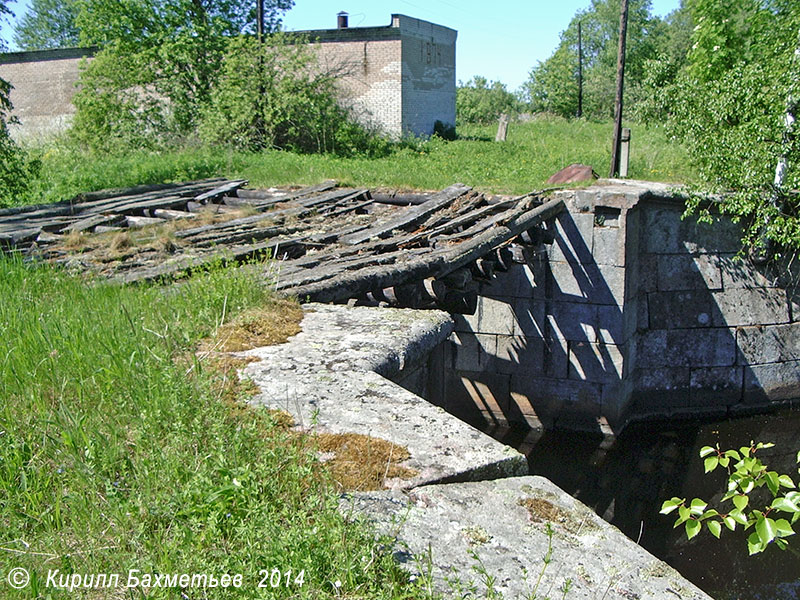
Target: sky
500, 40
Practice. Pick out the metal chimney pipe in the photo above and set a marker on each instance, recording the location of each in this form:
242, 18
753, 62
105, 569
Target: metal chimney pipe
341, 20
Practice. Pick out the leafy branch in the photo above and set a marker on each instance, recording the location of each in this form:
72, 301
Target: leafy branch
746, 474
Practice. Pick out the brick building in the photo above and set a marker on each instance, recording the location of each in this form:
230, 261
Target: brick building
400, 77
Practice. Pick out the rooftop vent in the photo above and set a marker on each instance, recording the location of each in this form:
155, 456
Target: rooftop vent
341, 20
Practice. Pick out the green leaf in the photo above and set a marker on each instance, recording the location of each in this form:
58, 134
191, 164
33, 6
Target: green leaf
737, 516
747, 484
785, 505
711, 463
771, 478
786, 481
741, 501
714, 527
706, 450
669, 506
754, 544
736, 456
697, 507
764, 445
730, 523
692, 528
765, 528
783, 528
724, 461
798, 457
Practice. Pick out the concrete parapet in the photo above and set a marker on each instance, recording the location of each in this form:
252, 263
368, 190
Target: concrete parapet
500, 528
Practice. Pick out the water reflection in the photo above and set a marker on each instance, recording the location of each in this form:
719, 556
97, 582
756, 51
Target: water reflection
626, 479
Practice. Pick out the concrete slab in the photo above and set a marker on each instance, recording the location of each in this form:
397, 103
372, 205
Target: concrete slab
331, 378
474, 532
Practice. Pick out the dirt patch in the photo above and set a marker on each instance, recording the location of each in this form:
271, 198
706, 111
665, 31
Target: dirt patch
265, 326
544, 511
360, 462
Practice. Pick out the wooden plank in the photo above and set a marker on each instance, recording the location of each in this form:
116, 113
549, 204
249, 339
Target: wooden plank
434, 264
218, 191
411, 216
93, 221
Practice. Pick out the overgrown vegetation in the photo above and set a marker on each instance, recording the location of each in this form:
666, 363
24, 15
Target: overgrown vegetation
534, 151
117, 453
483, 101
268, 95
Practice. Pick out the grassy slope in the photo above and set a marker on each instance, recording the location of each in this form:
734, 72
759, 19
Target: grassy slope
112, 458
532, 153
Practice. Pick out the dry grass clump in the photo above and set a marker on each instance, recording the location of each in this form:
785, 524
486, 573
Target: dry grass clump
361, 462
265, 326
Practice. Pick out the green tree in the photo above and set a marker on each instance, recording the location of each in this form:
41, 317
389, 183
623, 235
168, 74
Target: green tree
731, 106
269, 96
157, 63
48, 24
15, 168
483, 101
552, 85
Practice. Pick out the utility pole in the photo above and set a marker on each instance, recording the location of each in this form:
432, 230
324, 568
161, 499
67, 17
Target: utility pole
260, 20
623, 30
580, 73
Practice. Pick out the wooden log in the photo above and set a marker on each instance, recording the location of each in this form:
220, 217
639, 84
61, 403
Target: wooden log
171, 215
107, 229
400, 199
133, 221
433, 264
483, 268
271, 197
458, 278
219, 191
503, 258
411, 216
90, 223
459, 302
187, 187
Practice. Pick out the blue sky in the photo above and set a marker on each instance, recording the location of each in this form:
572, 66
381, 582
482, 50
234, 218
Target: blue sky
500, 40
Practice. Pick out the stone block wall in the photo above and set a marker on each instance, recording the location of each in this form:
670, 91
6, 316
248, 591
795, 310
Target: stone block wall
44, 84
717, 335
632, 312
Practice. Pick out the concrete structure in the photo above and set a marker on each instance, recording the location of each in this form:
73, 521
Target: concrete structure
468, 504
631, 313
44, 83
400, 78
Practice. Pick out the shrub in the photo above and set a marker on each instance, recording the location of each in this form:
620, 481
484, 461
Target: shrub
269, 96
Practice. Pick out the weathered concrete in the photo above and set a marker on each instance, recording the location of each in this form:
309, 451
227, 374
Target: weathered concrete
499, 528
632, 312
332, 378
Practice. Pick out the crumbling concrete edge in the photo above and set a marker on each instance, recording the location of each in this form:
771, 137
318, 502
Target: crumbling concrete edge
332, 377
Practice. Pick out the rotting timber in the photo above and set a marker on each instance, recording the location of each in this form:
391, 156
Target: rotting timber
331, 244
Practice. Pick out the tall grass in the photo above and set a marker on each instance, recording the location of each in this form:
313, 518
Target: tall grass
533, 152
113, 458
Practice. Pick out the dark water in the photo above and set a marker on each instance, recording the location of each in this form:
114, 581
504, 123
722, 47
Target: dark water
625, 481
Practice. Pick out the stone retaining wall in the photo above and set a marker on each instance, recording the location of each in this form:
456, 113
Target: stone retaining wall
632, 312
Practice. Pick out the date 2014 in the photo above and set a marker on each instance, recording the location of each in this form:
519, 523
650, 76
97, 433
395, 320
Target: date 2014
276, 578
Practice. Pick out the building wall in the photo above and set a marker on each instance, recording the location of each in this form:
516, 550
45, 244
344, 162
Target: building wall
44, 84
429, 75
631, 313
399, 78
369, 79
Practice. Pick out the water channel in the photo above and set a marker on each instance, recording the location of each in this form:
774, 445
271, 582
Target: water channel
626, 479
